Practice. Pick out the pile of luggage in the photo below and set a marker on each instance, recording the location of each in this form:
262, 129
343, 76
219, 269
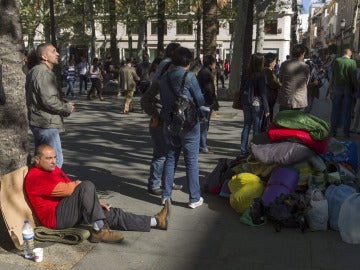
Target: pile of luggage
297, 175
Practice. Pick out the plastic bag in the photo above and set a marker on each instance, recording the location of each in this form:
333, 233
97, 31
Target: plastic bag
318, 214
335, 196
349, 219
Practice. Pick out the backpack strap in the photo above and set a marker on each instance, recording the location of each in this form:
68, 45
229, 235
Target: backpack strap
181, 86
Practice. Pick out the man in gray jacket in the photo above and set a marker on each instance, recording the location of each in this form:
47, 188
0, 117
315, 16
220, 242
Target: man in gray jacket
294, 76
45, 107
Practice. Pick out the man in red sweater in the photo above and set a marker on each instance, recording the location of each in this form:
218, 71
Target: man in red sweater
61, 203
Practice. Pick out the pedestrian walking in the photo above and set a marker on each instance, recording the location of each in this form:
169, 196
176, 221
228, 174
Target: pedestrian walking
95, 78
70, 75
83, 68
128, 79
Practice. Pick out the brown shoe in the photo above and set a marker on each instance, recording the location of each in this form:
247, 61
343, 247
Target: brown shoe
106, 235
162, 218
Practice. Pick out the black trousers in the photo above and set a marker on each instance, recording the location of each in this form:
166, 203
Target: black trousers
83, 207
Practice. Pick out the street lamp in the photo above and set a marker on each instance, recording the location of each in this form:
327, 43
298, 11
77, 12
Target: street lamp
342, 28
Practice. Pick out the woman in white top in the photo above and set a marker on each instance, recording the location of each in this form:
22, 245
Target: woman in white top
95, 78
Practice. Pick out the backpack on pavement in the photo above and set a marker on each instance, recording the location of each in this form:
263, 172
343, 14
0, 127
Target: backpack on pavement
288, 211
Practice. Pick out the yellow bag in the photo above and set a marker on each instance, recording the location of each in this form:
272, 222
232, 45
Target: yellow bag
244, 188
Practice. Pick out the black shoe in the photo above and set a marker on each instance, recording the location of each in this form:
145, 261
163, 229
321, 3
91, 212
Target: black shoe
155, 191
177, 187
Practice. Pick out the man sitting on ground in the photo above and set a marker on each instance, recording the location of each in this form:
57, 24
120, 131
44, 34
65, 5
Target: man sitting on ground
60, 203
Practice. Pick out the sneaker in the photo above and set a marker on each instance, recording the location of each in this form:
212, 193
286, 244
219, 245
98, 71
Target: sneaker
193, 205
177, 187
162, 218
206, 151
106, 235
155, 191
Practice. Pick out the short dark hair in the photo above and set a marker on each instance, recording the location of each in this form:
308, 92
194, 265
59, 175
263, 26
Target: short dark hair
298, 50
171, 48
209, 60
95, 60
182, 57
269, 58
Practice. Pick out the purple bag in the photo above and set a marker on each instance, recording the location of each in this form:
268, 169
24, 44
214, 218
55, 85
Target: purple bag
282, 181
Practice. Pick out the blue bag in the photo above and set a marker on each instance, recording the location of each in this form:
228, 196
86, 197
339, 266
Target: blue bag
335, 196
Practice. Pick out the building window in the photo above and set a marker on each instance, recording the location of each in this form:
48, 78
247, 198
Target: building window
184, 27
154, 28
133, 30
270, 27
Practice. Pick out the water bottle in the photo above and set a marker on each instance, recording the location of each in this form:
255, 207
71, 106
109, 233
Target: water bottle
28, 237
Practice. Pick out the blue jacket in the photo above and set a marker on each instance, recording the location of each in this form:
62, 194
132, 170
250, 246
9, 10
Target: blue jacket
191, 90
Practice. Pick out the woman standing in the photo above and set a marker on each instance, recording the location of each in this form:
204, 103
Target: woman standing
254, 78
272, 82
95, 78
177, 138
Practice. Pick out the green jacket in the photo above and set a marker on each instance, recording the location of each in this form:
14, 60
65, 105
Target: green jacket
45, 107
344, 72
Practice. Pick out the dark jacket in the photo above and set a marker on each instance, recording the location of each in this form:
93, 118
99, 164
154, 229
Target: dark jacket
206, 82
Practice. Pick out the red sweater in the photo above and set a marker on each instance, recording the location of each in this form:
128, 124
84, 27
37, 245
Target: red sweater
39, 185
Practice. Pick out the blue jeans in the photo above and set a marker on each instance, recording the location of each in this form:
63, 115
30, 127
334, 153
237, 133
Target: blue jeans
83, 80
70, 87
189, 141
51, 137
204, 128
159, 156
252, 117
341, 109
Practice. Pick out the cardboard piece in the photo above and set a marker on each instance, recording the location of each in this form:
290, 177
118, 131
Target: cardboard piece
14, 205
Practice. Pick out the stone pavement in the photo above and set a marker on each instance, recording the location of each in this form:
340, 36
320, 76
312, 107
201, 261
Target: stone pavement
113, 150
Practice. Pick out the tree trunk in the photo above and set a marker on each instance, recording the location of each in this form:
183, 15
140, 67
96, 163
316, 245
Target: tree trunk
92, 25
128, 32
141, 39
114, 51
260, 34
141, 44
248, 33
239, 45
161, 28
209, 26
261, 7
353, 29
14, 147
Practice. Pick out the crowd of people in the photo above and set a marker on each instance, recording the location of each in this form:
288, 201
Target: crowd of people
59, 202
296, 84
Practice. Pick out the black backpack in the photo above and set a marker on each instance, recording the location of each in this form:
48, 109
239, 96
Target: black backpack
288, 211
184, 114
